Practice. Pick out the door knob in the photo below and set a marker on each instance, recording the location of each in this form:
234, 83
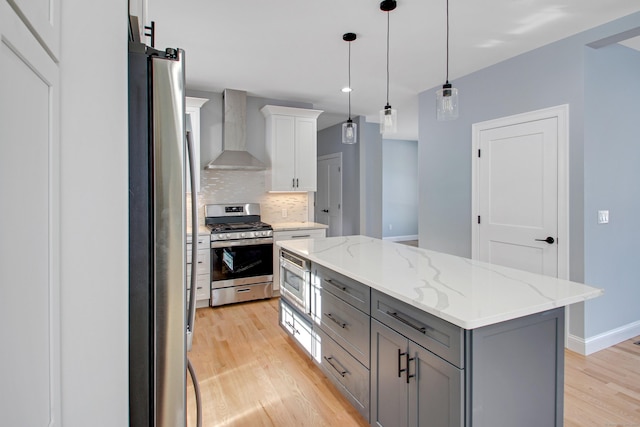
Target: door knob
325, 210
549, 240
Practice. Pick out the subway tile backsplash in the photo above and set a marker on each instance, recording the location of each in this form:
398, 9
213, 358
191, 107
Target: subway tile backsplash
238, 186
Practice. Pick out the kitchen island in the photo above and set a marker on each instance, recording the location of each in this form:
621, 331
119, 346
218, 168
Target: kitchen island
449, 341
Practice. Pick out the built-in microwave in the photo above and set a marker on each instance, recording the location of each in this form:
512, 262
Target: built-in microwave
295, 276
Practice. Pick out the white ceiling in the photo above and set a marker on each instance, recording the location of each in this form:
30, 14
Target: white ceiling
293, 49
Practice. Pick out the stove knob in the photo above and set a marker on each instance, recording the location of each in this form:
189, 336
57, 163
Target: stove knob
243, 234
221, 236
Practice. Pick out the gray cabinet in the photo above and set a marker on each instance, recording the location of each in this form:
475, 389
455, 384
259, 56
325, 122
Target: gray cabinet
340, 309
410, 386
400, 366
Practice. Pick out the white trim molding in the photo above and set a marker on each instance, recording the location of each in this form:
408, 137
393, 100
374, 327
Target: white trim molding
587, 346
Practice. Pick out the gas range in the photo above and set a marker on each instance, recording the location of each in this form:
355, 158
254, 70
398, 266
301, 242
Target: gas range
236, 222
241, 253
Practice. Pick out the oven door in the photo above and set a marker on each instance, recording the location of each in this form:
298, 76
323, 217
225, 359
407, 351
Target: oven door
294, 281
241, 262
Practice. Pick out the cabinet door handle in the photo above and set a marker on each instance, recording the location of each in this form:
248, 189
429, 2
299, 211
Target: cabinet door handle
341, 372
409, 359
336, 285
400, 370
334, 320
239, 291
406, 322
297, 183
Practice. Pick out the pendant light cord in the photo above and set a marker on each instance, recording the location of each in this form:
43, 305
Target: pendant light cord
387, 58
447, 79
350, 88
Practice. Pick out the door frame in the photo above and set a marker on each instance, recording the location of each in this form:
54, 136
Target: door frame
561, 113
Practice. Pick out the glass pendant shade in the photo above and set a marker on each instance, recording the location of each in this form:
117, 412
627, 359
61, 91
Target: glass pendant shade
388, 120
349, 132
447, 103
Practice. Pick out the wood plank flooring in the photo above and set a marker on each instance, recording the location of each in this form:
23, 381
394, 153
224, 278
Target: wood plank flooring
252, 374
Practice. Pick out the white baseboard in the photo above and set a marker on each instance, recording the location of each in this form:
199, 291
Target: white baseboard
401, 238
604, 340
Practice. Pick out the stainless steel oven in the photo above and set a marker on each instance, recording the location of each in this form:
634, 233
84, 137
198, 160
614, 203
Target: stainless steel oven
241, 254
295, 285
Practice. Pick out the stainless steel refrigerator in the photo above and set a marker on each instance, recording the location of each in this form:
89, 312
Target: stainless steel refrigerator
159, 321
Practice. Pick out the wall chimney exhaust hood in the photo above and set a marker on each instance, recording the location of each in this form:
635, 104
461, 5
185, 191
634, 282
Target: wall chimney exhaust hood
234, 154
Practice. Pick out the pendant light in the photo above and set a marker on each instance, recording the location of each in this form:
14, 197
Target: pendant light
349, 129
447, 97
388, 116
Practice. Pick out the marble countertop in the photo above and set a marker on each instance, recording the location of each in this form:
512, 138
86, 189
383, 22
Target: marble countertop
293, 226
467, 293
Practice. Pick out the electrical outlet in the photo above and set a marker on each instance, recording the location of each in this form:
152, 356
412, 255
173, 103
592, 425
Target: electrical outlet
284, 213
603, 217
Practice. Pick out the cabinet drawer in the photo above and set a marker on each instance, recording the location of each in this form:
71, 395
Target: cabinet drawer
345, 288
202, 260
204, 241
349, 376
299, 234
347, 325
203, 286
436, 335
296, 326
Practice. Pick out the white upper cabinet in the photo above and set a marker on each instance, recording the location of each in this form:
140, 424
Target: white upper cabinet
192, 109
43, 16
291, 148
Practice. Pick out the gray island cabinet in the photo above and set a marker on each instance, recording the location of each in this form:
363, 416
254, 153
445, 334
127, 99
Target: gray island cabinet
419, 338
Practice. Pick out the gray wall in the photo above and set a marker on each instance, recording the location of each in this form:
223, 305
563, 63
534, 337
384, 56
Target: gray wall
399, 188
330, 142
211, 124
545, 77
612, 182
370, 179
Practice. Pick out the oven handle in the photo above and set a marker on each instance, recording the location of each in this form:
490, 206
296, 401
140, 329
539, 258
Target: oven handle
245, 242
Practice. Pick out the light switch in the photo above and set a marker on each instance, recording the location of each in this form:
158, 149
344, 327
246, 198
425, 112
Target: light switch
284, 213
603, 217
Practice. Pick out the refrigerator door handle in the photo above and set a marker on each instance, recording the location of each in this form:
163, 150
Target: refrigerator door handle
191, 313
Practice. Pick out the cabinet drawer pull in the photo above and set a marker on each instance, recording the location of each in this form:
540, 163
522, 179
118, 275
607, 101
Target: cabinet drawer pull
294, 330
301, 236
243, 290
329, 359
336, 321
406, 322
337, 285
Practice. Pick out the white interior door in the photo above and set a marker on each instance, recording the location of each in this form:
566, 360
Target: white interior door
328, 208
29, 230
519, 197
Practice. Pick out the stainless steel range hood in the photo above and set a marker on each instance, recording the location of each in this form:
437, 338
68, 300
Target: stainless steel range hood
234, 135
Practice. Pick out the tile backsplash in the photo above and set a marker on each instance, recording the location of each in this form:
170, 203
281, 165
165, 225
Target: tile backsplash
238, 186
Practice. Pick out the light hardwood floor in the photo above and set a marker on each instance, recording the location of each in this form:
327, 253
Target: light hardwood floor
252, 374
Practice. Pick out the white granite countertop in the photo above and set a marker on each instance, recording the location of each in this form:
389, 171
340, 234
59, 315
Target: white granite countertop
294, 226
202, 231
467, 293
